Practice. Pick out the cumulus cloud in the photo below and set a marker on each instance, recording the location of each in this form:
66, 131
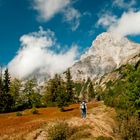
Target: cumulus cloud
127, 24
35, 56
47, 9
124, 4
106, 20
106, 16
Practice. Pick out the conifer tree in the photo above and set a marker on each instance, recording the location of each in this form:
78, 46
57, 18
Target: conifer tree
15, 91
1, 92
91, 93
1, 83
55, 93
55, 86
51, 90
6, 98
69, 87
32, 97
6, 81
61, 95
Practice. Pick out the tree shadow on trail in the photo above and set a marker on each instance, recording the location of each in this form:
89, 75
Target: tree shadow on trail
69, 109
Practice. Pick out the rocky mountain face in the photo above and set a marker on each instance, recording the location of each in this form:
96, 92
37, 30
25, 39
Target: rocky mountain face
107, 53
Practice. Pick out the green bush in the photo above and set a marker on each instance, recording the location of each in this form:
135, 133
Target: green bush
18, 113
34, 111
58, 131
124, 96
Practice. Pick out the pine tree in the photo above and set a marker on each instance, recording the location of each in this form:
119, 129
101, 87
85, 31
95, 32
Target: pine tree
32, 97
6, 98
91, 93
1, 92
1, 83
55, 86
61, 95
6, 81
51, 90
15, 91
69, 87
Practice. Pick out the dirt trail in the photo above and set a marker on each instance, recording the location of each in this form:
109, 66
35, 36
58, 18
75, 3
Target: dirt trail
100, 120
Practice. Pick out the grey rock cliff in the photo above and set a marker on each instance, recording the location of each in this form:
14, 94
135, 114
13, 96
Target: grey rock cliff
107, 53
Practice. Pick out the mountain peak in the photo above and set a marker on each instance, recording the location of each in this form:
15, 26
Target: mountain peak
104, 35
107, 53
109, 38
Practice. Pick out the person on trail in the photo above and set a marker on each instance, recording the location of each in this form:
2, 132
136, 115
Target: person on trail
83, 108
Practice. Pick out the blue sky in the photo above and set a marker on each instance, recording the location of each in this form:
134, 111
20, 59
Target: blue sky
18, 18
74, 22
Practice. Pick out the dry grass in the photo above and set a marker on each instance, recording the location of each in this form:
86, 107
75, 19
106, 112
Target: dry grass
99, 122
18, 126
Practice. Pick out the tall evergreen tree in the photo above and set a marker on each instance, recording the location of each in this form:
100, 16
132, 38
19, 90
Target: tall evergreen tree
6, 81
15, 88
69, 87
51, 90
6, 104
91, 93
1, 83
15, 91
55, 93
32, 97
61, 95
1, 92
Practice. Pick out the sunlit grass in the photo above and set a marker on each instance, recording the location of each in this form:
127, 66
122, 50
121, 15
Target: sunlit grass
10, 124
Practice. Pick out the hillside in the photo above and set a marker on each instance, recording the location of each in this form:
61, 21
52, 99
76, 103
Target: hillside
107, 74
99, 122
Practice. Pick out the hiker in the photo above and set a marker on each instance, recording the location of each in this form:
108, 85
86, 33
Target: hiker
83, 108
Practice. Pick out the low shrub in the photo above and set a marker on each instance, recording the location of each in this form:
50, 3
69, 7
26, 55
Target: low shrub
81, 132
18, 113
34, 111
58, 131
130, 129
80, 135
62, 131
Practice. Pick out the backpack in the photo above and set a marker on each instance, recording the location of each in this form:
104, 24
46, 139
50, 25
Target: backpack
83, 106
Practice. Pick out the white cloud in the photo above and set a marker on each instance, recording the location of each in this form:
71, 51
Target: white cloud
35, 56
38, 39
47, 9
127, 24
106, 20
124, 4
72, 16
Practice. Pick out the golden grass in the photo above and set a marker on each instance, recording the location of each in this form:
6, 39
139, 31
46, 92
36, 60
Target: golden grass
10, 124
